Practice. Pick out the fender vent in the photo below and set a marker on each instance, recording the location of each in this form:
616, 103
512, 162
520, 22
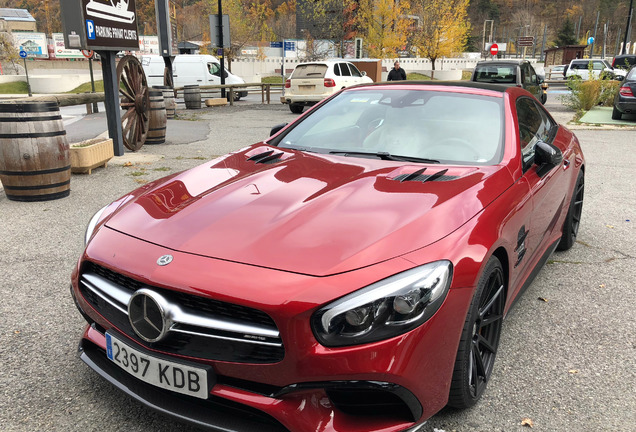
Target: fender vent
266, 157
419, 176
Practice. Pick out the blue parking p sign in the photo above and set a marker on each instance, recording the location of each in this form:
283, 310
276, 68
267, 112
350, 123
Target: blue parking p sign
90, 29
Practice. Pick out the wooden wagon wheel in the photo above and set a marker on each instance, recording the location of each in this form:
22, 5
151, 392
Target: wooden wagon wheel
134, 100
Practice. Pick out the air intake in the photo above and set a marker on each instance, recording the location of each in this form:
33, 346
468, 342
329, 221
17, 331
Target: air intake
419, 176
266, 157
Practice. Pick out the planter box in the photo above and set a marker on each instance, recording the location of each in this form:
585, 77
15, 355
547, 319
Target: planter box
216, 102
87, 155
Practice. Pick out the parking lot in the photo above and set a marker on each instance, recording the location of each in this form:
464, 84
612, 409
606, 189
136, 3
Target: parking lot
567, 358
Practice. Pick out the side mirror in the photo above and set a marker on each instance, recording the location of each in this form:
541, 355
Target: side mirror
363, 73
277, 129
546, 157
540, 79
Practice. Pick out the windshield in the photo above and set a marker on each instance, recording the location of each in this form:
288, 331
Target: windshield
496, 74
400, 124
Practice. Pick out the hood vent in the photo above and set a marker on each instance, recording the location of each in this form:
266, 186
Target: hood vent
266, 157
419, 176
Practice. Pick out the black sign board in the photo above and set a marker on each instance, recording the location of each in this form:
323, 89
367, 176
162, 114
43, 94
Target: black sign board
525, 41
100, 24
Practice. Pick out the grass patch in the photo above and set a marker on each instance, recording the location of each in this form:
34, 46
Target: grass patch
86, 87
414, 76
274, 79
161, 169
17, 87
467, 75
138, 173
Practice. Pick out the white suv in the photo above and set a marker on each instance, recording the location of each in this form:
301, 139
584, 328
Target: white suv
312, 82
600, 68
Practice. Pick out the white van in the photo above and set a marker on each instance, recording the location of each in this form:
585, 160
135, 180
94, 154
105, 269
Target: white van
189, 70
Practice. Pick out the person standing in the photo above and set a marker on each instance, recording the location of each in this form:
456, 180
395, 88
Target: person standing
397, 73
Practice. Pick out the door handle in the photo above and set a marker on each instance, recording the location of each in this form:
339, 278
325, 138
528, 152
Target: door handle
566, 164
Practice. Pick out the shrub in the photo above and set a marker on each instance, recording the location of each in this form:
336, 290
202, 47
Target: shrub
589, 94
608, 92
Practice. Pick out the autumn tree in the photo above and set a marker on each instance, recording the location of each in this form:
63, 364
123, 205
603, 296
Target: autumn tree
45, 12
8, 51
443, 28
283, 21
248, 23
333, 20
384, 26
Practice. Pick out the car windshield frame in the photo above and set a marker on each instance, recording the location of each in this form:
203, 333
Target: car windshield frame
418, 125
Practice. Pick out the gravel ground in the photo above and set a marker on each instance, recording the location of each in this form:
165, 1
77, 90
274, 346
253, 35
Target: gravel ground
567, 364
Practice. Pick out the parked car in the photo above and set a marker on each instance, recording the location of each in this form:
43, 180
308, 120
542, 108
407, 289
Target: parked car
190, 69
349, 273
312, 82
624, 61
512, 72
579, 68
625, 99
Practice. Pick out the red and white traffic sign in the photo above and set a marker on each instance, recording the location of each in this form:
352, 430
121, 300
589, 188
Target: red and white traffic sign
88, 53
494, 49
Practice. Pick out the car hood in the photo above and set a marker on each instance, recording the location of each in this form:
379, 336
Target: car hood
304, 212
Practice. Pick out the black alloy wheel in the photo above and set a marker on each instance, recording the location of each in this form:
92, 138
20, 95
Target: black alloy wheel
480, 338
573, 218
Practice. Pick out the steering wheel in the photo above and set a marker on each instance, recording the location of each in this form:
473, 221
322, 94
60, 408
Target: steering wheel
452, 146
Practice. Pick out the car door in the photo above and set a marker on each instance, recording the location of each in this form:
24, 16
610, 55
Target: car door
345, 73
548, 191
356, 75
532, 82
214, 73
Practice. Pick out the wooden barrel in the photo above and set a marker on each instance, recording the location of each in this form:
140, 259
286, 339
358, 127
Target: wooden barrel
192, 96
34, 152
158, 118
168, 99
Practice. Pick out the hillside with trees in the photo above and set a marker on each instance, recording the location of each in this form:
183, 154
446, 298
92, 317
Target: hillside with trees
386, 25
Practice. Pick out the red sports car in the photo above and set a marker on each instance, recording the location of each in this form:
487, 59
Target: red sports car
350, 273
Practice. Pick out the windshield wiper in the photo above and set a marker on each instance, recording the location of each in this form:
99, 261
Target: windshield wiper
385, 156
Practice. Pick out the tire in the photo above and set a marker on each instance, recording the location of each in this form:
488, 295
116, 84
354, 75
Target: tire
296, 108
616, 114
544, 98
480, 338
573, 218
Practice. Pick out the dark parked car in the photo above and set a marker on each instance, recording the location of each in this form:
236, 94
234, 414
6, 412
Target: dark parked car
350, 273
624, 61
625, 99
512, 72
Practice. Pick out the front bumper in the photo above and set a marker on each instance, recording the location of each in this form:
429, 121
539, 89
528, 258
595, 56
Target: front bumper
231, 408
386, 386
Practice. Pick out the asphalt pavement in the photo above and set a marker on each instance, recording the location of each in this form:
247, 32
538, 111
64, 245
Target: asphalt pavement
567, 359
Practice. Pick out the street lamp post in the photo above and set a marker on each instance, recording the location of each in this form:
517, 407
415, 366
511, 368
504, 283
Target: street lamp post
483, 43
629, 23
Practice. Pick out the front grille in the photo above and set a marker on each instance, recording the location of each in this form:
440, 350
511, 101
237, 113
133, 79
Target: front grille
202, 304
236, 333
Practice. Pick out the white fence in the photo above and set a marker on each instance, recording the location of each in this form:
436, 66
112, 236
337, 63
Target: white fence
252, 69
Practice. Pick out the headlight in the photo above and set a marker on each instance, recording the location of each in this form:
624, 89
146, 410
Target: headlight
91, 225
386, 308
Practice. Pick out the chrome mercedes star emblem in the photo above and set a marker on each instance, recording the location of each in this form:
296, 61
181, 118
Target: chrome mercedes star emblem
147, 315
165, 260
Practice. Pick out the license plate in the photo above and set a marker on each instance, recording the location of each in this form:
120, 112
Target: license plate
306, 87
169, 375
